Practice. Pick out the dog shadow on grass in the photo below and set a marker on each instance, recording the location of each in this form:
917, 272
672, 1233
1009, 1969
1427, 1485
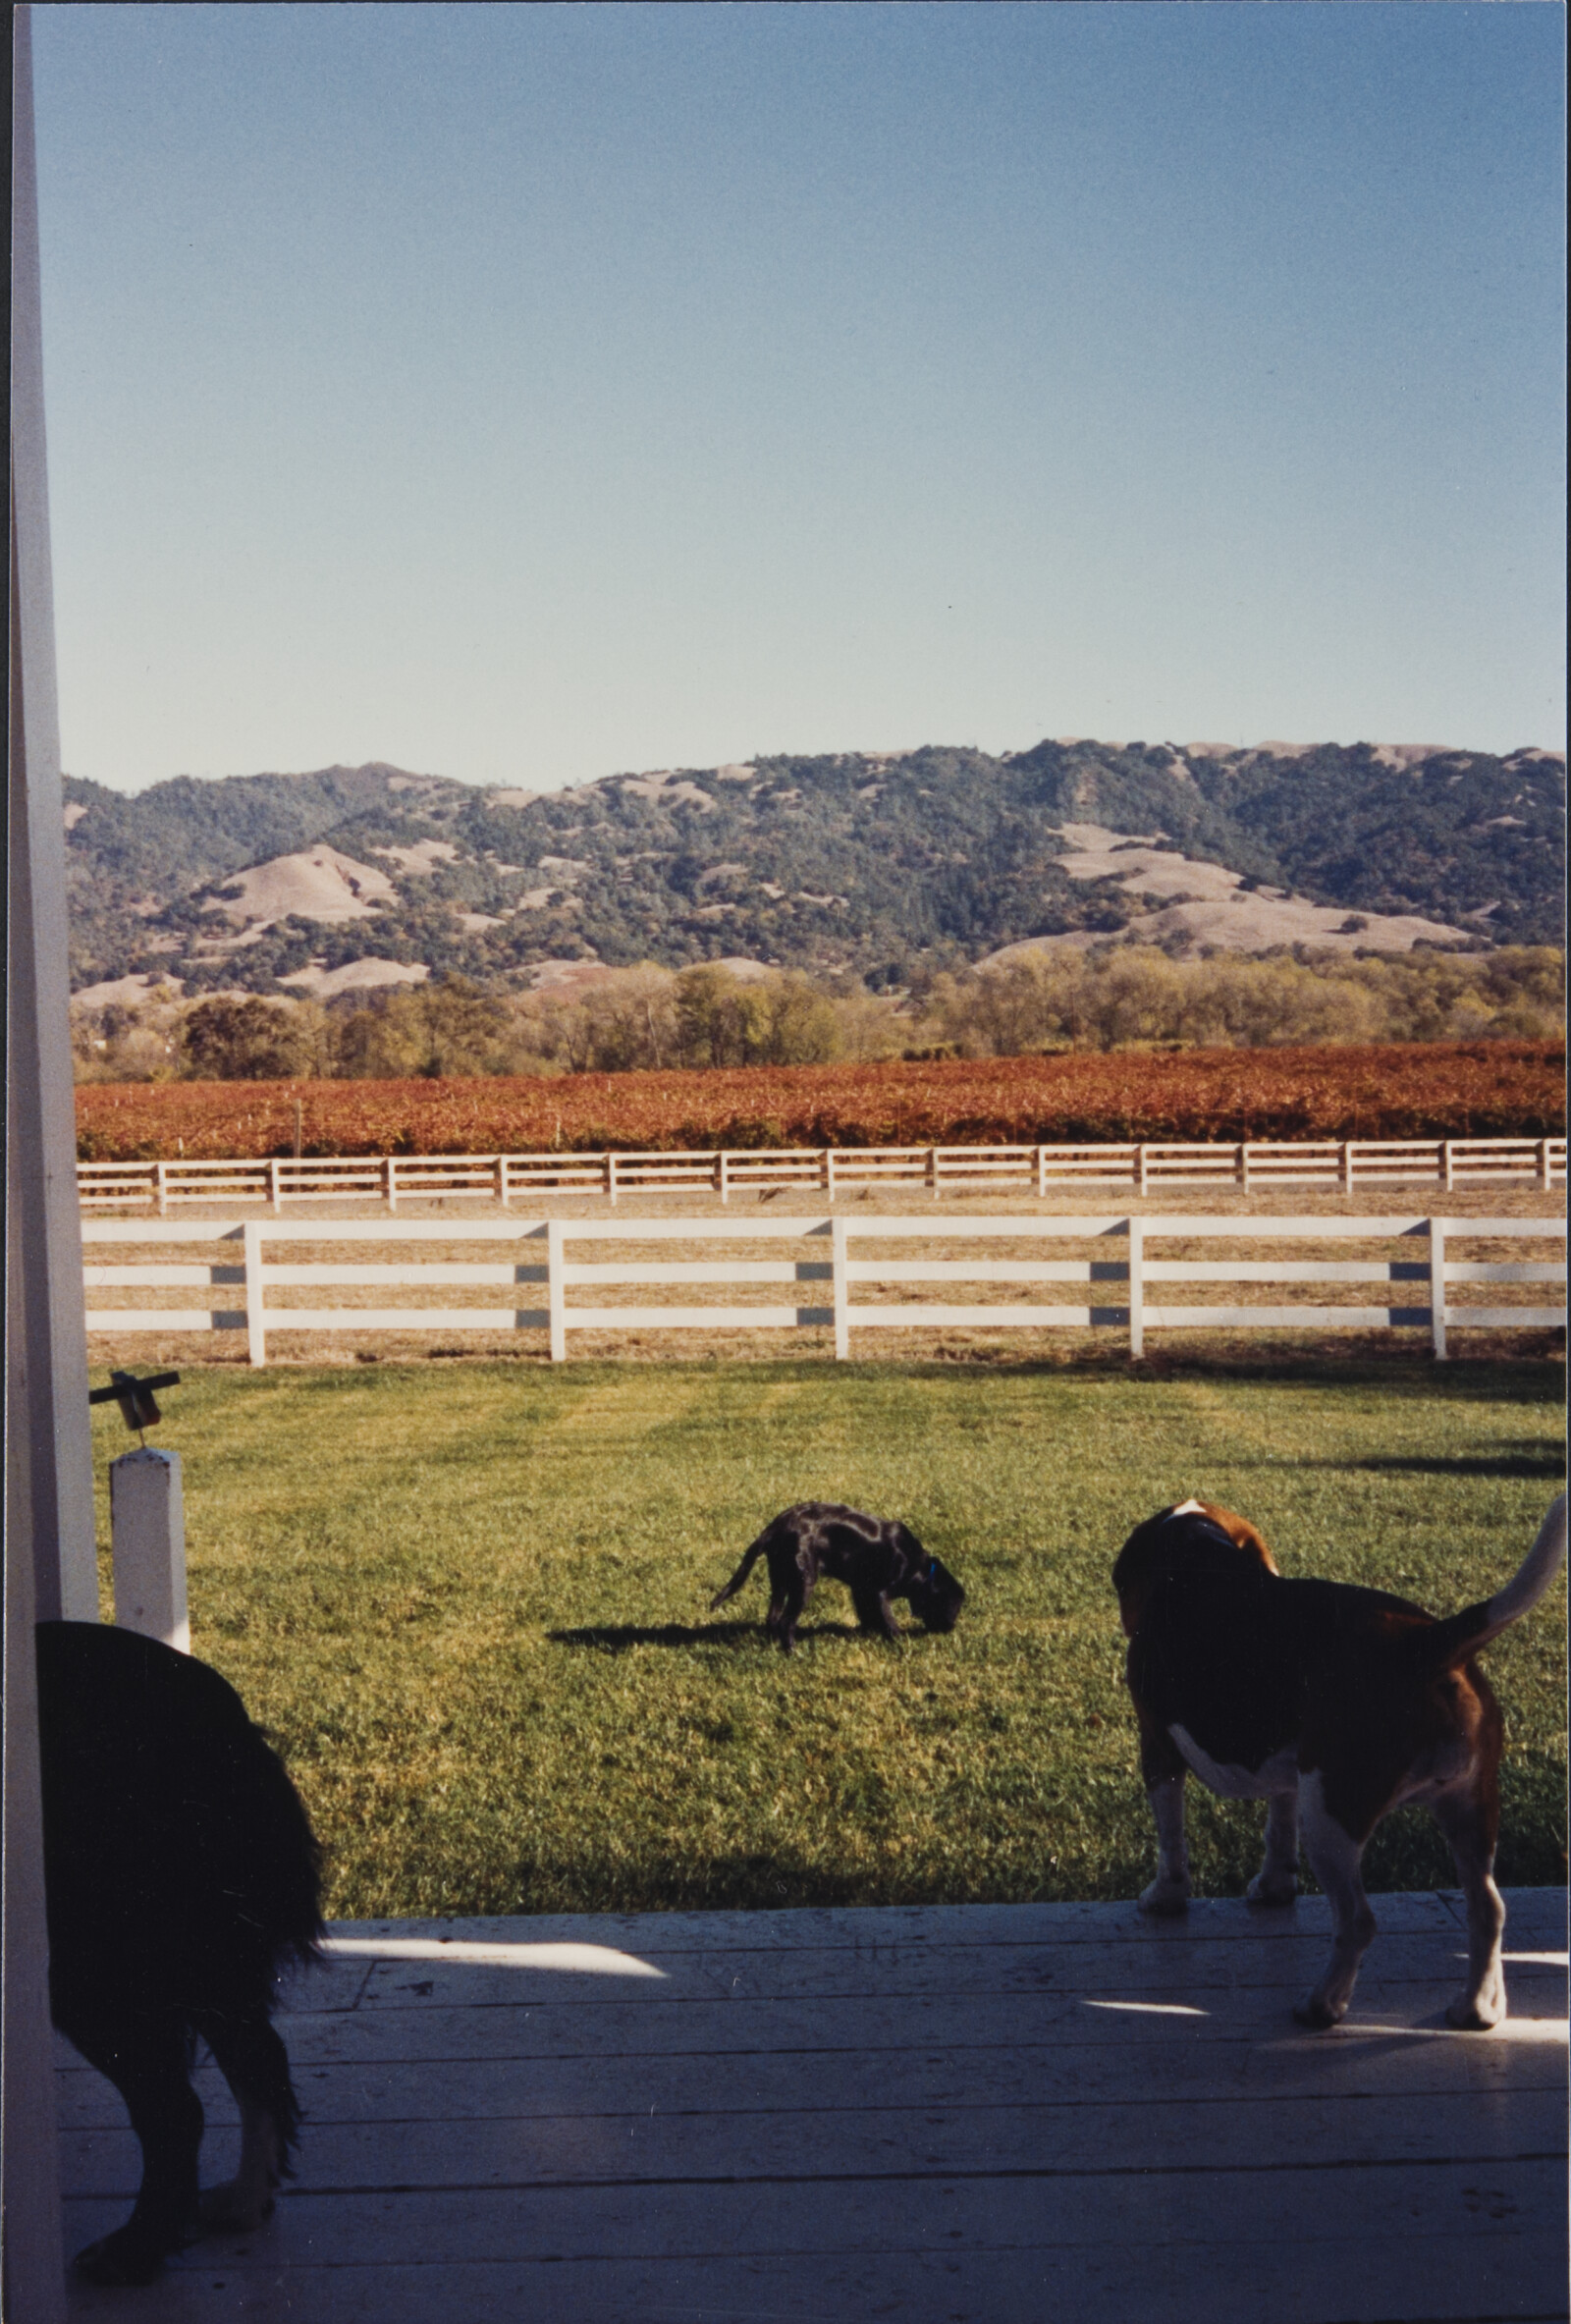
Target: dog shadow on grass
1529, 1461
617, 1637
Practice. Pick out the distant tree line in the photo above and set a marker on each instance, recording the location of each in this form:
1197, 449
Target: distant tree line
1112, 996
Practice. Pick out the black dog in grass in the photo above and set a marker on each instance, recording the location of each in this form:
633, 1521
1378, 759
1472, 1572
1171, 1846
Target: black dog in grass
877, 1558
182, 1877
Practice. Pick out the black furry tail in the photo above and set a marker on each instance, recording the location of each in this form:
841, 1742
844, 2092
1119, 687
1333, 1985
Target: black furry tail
750, 1560
285, 1891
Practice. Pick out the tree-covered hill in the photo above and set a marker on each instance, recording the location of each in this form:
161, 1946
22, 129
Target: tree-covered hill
869, 865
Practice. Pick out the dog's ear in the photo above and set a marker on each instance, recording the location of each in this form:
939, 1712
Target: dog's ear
1239, 1530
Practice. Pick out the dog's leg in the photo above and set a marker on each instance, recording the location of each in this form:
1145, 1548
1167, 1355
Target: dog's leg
1172, 1887
1469, 1825
873, 1612
785, 1610
1165, 1769
1276, 1881
1334, 1856
148, 2069
247, 2199
255, 2065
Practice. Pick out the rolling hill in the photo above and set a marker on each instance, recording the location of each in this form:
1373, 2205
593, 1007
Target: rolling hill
861, 864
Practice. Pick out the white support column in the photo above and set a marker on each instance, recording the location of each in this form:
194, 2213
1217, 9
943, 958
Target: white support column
51, 1566
255, 1311
1437, 1228
840, 1289
1136, 1230
147, 1523
556, 1291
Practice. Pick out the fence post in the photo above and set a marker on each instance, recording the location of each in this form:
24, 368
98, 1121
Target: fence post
1041, 1172
1347, 1165
1447, 1168
722, 1175
828, 1171
502, 1180
162, 1189
611, 1177
147, 1524
392, 1186
275, 1200
839, 1228
255, 1314
1135, 1228
1437, 1287
1543, 1164
556, 1291
1243, 1165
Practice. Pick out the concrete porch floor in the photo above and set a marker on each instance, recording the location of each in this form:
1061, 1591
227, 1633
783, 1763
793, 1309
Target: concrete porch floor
954, 2115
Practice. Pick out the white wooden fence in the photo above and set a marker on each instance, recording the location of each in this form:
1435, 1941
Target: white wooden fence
532, 1259
161, 1186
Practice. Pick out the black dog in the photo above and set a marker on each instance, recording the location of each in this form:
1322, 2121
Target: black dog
877, 1558
181, 1875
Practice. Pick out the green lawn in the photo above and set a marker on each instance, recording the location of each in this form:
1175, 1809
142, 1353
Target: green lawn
470, 1602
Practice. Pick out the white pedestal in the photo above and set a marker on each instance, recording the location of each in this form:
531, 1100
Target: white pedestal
148, 1518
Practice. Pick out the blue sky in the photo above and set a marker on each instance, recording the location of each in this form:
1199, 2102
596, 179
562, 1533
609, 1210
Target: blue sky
524, 394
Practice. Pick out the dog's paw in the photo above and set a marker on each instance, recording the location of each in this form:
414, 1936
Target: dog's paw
1318, 2014
1164, 1899
1273, 1888
1476, 2013
129, 2256
233, 2205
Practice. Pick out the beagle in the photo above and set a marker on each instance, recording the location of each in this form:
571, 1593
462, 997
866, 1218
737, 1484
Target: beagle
1322, 1699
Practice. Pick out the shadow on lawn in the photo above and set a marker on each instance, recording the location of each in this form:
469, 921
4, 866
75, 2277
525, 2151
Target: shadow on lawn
1549, 1462
617, 1637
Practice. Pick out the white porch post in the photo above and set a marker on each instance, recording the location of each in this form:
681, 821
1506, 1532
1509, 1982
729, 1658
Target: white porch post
41, 1132
51, 1565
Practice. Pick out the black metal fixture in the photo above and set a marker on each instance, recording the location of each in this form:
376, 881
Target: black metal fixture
137, 1405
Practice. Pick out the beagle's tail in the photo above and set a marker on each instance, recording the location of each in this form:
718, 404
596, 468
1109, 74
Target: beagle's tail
1450, 1641
749, 1559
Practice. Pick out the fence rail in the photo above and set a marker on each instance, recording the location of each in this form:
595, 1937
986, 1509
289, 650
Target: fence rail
833, 1259
391, 1179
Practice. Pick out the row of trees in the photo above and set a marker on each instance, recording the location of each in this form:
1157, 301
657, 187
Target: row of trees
1137, 995
647, 1018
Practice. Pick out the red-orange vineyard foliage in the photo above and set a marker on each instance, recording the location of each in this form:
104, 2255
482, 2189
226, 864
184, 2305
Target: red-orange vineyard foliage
1450, 1089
